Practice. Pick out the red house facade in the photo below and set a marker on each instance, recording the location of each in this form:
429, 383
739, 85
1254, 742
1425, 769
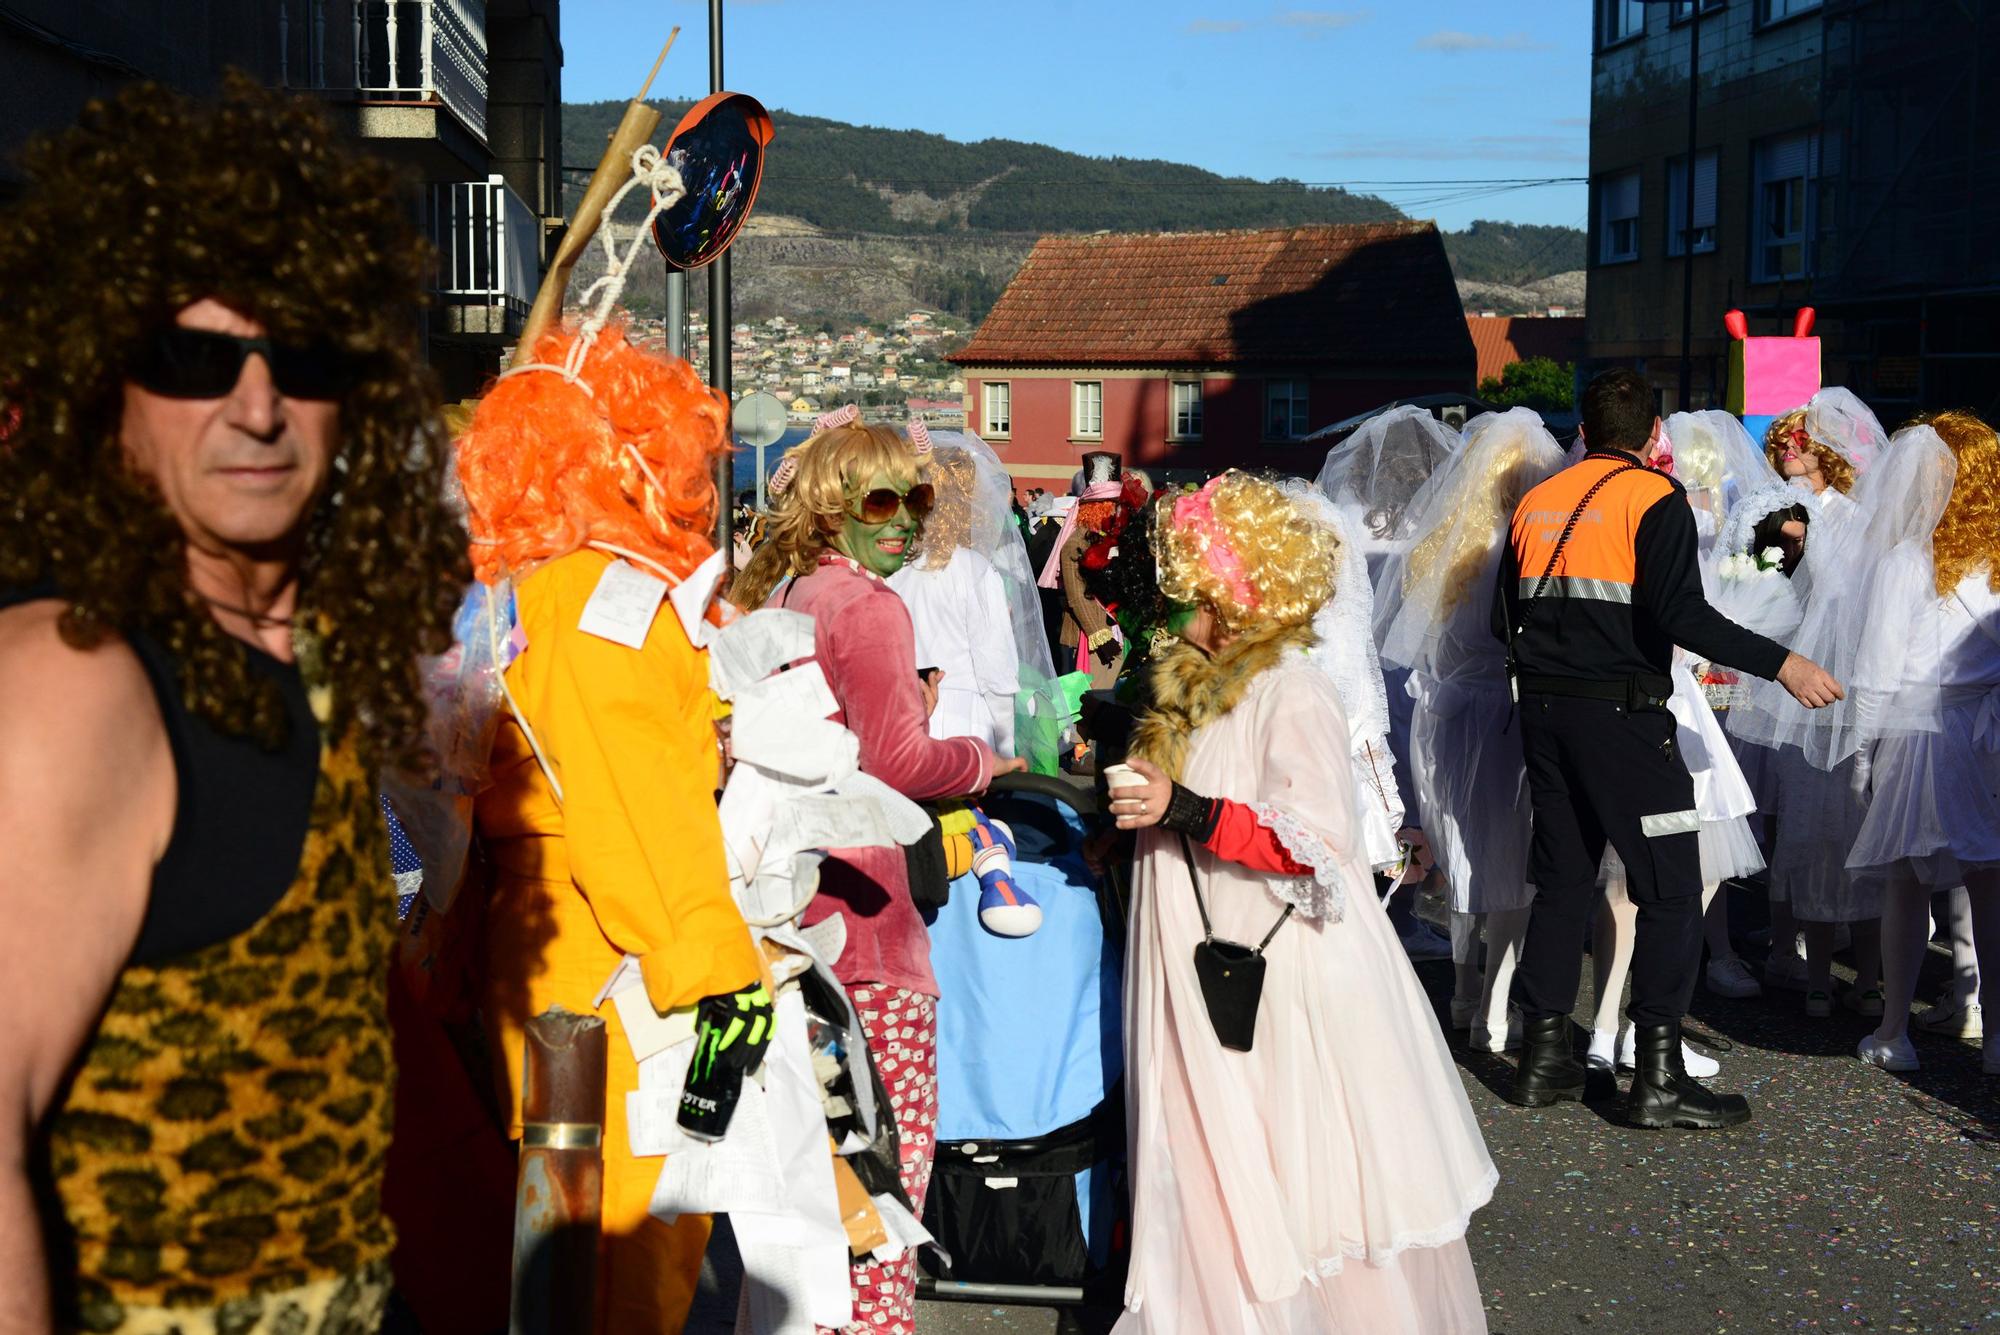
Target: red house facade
1210, 350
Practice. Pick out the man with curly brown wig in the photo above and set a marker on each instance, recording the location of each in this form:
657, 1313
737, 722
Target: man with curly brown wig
221, 550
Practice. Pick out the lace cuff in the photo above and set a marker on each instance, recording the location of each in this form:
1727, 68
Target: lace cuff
1322, 895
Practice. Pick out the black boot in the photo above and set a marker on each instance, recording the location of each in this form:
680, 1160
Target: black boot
1549, 1071
1664, 1094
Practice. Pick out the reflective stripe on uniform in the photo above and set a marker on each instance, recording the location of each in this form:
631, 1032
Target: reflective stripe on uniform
1665, 823
1578, 586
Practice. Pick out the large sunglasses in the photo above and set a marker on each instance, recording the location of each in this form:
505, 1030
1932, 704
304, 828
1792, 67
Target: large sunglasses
179, 363
880, 505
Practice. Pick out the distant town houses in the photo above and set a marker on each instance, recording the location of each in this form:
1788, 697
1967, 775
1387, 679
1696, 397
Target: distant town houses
884, 368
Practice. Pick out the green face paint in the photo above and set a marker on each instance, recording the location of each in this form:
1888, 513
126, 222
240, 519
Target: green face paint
881, 548
1181, 617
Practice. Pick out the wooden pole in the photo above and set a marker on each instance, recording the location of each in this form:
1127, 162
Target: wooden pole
559, 1193
635, 127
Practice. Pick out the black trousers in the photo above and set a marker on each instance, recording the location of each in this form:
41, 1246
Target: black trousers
1600, 772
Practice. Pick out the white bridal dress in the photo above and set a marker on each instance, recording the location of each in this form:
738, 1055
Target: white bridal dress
1323, 1181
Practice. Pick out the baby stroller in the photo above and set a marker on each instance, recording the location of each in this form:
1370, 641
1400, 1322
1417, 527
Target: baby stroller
1027, 1199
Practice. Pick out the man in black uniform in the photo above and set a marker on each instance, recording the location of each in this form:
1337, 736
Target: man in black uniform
1596, 587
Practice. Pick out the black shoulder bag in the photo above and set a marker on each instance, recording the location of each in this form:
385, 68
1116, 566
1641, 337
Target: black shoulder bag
1231, 974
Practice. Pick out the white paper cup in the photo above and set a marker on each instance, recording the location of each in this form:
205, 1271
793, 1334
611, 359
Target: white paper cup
1123, 776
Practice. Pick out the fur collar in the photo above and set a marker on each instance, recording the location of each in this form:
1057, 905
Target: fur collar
1192, 690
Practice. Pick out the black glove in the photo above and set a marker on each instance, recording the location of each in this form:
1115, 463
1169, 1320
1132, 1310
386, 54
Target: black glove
1191, 814
731, 1032
1106, 653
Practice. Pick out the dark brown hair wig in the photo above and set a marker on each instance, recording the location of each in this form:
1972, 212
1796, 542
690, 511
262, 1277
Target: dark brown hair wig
154, 201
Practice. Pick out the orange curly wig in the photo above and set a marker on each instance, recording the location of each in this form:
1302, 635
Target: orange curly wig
1967, 536
548, 466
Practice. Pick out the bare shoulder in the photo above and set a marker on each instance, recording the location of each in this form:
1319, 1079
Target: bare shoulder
54, 692
87, 799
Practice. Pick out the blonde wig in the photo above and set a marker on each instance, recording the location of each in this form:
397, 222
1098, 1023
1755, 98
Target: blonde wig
1839, 473
1967, 537
1243, 548
1461, 547
955, 475
829, 472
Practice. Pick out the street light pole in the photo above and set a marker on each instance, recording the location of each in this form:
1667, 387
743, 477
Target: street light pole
720, 322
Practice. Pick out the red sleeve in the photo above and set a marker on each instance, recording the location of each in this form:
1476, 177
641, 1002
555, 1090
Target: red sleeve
867, 659
1241, 839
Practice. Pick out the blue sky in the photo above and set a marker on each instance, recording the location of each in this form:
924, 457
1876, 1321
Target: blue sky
1418, 91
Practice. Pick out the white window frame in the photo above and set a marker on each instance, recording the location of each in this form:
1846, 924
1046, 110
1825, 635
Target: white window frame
1706, 162
1777, 11
1784, 171
996, 425
1296, 396
1618, 233
1086, 409
1620, 21
1184, 421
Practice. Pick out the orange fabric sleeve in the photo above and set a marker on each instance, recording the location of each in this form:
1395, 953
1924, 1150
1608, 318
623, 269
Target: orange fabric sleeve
630, 734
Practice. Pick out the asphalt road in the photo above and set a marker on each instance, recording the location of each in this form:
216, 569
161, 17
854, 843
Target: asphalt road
1855, 1200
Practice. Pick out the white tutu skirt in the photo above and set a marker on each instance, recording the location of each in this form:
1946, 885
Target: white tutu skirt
1472, 791
1934, 797
1722, 795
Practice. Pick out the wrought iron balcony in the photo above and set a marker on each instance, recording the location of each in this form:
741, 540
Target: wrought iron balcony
424, 51
489, 255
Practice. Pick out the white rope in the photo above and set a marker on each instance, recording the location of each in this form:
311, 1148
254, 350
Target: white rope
653, 171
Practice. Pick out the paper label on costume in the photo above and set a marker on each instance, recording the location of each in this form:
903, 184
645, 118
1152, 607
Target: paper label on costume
648, 1031
801, 693
692, 596
827, 820
627, 974
907, 822
827, 938
753, 647
621, 608
811, 750
904, 1230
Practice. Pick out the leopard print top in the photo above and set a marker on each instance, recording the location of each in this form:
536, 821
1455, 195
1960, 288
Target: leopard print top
217, 1160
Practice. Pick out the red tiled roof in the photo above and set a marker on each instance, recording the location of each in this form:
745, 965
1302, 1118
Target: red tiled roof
1500, 339
1371, 293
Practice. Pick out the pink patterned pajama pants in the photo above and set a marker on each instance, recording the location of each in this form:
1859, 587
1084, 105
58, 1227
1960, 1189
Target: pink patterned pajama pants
902, 1035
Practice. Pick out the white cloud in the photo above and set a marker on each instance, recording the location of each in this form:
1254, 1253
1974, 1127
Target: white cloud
1451, 40
1320, 20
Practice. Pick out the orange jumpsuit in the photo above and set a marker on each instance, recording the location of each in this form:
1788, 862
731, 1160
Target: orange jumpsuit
629, 862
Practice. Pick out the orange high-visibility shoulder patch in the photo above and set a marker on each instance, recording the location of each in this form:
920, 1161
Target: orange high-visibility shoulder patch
1600, 548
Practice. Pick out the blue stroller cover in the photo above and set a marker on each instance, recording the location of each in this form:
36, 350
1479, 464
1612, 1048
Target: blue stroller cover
1029, 1035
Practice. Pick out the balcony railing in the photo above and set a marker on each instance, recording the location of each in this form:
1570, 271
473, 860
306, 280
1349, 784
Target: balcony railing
424, 51
489, 253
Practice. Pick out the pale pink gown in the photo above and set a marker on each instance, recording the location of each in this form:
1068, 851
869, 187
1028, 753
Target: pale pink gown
1323, 1181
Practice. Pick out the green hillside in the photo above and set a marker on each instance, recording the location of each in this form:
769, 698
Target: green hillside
919, 205
854, 178
1514, 253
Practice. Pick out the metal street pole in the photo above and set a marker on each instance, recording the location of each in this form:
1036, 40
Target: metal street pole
677, 314
1687, 215
720, 321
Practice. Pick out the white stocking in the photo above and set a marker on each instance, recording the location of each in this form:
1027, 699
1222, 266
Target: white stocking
1612, 935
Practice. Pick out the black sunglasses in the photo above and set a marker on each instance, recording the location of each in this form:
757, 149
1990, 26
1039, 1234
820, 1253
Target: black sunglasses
182, 363
879, 506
